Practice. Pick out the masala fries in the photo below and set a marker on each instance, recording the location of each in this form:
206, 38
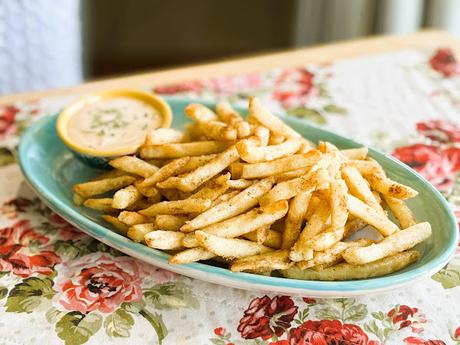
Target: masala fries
255, 195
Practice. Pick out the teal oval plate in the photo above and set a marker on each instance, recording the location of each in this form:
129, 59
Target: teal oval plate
51, 170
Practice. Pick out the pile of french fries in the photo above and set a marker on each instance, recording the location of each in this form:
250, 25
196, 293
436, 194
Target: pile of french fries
257, 196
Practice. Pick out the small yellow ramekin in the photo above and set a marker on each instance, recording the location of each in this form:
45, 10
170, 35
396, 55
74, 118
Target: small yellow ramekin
99, 158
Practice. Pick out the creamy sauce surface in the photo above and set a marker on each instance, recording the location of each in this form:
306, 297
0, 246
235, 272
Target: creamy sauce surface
113, 123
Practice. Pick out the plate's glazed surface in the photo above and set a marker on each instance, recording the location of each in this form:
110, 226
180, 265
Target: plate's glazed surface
51, 169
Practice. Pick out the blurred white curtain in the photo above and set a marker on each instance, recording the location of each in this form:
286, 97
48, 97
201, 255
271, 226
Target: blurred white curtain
330, 20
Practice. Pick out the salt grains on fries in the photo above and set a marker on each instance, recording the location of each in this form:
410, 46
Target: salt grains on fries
257, 196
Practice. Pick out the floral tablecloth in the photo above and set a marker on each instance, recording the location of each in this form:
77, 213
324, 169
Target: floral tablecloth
59, 286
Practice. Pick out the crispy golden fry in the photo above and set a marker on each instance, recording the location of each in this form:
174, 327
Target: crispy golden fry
400, 210
305, 146
195, 162
120, 227
100, 204
325, 239
196, 178
289, 175
249, 221
378, 220
188, 256
160, 136
173, 194
78, 199
365, 167
133, 218
261, 136
359, 153
240, 203
251, 153
353, 226
200, 113
327, 147
273, 239
225, 197
359, 188
227, 114
389, 187
229, 248
277, 260
109, 174
346, 271
150, 192
193, 132
137, 232
190, 241
139, 205
166, 240
165, 171
338, 203
297, 209
169, 222
275, 139
398, 242
262, 234
197, 148
275, 124
315, 200
214, 188
89, 189
218, 130
177, 207
239, 184
125, 197
236, 169
278, 166
133, 165
288, 189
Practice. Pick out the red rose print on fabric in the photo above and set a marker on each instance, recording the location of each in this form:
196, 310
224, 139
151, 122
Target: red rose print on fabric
66, 231
420, 341
405, 316
309, 300
457, 333
229, 85
12, 208
294, 87
438, 165
8, 120
99, 282
444, 62
440, 131
266, 317
188, 86
327, 332
15, 254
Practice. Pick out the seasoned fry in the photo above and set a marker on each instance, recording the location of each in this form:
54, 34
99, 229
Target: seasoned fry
165, 171
353, 226
190, 241
194, 179
240, 203
200, 113
89, 189
197, 148
120, 227
213, 188
195, 162
325, 239
139, 205
218, 130
239, 184
138, 231
400, 210
133, 165
379, 221
160, 136
173, 194
275, 139
251, 153
262, 135
389, 187
125, 197
150, 192
229, 248
169, 222
166, 240
277, 260
188, 256
346, 271
227, 114
297, 209
100, 204
289, 175
262, 234
78, 199
133, 218
273, 239
359, 153
338, 203
398, 242
278, 166
365, 167
177, 207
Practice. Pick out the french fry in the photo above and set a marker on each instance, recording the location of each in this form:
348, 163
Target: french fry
273, 239
236, 169
165, 171
213, 188
227, 114
218, 130
200, 113
327, 147
315, 200
338, 203
109, 174
188, 256
379, 221
100, 204
197, 148
353, 226
125, 197
78, 199
240, 203
365, 167
166, 240
133, 165
225, 197
297, 208
288, 189
305, 146
139, 205
359, 153
150, 192
169, 222
262, 234
275, 124
251, 153
173, 194
138, 231
275, 139
395, 243
239, 184
400, 210
277, 260
160, 136
359, 188
177, 207
278, 166
346, 271
190, 241
193, 132
229, 248
133, 218
289, 175
325, 239
195, 162
89, 189
389, 187
196, 178
262, 135
120, 227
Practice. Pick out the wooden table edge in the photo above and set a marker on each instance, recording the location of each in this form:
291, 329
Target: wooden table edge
296, 57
